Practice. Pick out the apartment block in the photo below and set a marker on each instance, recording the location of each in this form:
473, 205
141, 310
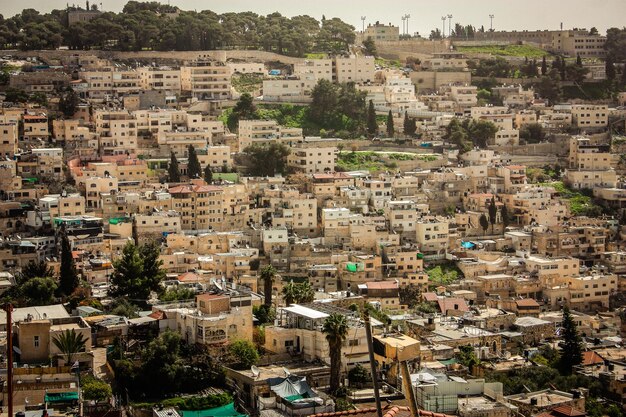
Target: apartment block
207, 80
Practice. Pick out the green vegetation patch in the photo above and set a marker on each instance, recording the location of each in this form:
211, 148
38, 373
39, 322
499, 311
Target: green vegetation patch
372, 161
247, 83
507, 50
226, 176
580, 202
445, 274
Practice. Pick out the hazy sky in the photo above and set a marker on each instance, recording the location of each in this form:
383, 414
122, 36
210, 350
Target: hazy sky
425, 15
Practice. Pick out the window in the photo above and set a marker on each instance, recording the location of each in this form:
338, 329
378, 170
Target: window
36, 341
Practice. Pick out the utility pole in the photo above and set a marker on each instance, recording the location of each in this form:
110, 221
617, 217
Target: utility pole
449, 25
9, 310
491, 25
443, 28
363, 20
370, 349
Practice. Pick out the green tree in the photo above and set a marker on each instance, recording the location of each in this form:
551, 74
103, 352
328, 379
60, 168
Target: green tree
549, 87
289, 293
265, 160
95, 389
579, 60
305, 293
480, 131
335, 328
467, 357
243, 110
36, 269
493, 212
390, 127
68, 103
544, 66
137, 272
532, 133
37, 291
610, 69
173, 171
69, 343
267, 276
409, 295
208, 174
571, 346
370, 47
124, 308
244, 354
504, 214
324, 103
264, 314
484, 223
193, 165
372, 124
68, 280
358, 376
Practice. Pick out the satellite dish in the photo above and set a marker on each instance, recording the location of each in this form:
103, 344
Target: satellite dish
287, 373
255, 371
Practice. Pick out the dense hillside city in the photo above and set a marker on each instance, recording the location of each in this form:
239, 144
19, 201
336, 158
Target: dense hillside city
233, 215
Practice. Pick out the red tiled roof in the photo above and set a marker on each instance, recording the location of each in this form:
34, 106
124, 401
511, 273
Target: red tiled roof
389, 411
382, 285
430, 296
157, 315
334, 175
446, 304
564, 411
180, 189
527, 302
590, 357
188, 277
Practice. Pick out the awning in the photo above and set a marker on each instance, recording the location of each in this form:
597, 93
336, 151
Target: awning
60, 397
227, 410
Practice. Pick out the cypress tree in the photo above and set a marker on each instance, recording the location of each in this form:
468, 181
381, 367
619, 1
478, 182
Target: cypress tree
372, 125
493, 212
390, 128
68, 280
609, 69
571, 347
579, 60
406, 123
544, 66
193, 165
173, 171
208, 174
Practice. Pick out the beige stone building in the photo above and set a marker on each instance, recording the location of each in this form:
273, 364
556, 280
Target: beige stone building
8, 140
590, 116
207, 79
155, 78
311, 160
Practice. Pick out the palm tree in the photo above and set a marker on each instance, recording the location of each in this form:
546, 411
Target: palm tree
289, 293
305, 293
267, 275
336, 329
70, 343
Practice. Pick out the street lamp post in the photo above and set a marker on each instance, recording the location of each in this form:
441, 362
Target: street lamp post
443, 28
449, 25
491, 24
407, 17
363, 20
